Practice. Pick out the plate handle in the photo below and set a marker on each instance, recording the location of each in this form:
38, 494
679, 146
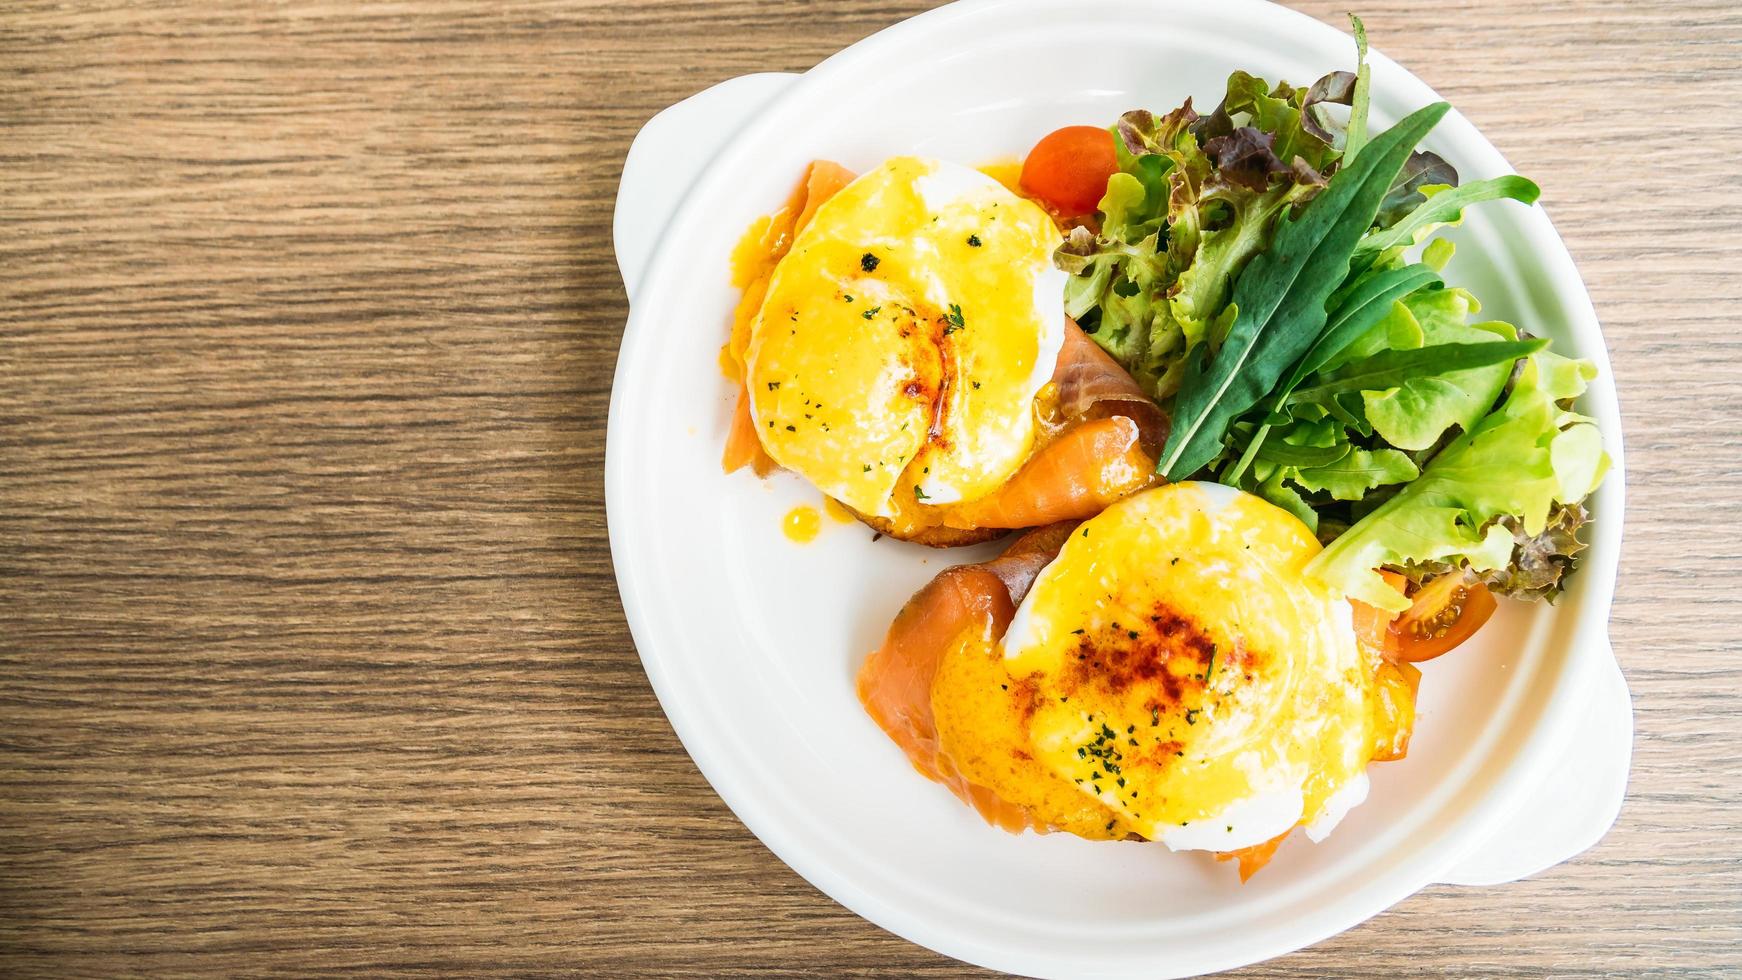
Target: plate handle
1579, 799
669, 154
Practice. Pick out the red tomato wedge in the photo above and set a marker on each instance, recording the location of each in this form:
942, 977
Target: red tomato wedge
1443, 613
1447, 611
1068, 169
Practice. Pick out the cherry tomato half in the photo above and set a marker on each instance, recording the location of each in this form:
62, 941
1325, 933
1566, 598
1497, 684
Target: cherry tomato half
1443, 613
1068, 169
1446, 611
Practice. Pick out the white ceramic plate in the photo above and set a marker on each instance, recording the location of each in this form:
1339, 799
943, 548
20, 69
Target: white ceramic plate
1521, 748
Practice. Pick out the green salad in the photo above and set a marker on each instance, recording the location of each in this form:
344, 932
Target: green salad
1269, 273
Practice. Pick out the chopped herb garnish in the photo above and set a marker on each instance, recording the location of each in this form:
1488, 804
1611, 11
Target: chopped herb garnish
955, 319
919, 494
792, 428
773, 386
974, 241
846, 297
868, 314
1191, 716
867, 467
868, 262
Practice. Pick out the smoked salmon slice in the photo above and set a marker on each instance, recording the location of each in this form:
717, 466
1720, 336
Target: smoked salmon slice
1075, 476
1253, 858
743, 448
1092, 385
895, 683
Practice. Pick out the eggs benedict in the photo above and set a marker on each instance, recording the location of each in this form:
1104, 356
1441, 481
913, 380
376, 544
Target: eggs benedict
902, 344
1161, 672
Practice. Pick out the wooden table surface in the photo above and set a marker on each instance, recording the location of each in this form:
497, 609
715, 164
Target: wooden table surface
310, 652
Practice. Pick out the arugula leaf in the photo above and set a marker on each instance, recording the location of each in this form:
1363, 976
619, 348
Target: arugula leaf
1284, 453
1394, 368
1359, 310
1289, 499
1445, 205
1364, 306
1281, 299
1361, 100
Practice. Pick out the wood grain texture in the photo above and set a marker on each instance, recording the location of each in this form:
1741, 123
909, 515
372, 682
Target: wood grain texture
310, 652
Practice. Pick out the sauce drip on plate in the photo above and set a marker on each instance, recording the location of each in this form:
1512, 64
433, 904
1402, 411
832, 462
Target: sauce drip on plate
801, 524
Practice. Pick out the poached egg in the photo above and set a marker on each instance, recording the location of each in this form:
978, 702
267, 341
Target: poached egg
1173, 675
902, 340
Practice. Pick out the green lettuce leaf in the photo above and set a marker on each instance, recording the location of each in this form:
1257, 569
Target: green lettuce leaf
1539, 565
1415, 414
1505, 466
1441, 205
